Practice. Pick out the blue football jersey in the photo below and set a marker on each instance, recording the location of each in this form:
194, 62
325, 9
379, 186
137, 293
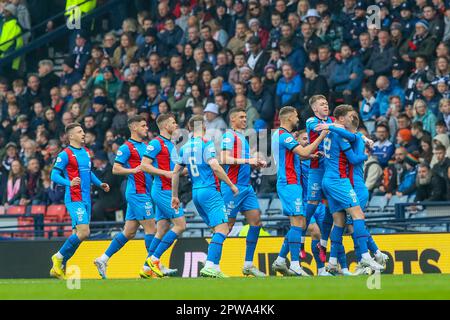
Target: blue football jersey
195, 154
130, 155
286, 161
311, 124
162, 152
75, 163
336, 162
236, 143
357, 171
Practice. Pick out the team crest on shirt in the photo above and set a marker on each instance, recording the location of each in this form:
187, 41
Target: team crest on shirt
58, 160
80, 213
150, 148
119, 153
227, 140
289, 140
148, 208
315, 186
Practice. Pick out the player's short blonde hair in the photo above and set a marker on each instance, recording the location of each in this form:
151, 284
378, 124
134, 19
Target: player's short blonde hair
286, 112
316, 98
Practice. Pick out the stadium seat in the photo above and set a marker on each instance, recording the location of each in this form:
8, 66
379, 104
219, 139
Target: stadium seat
50, 231
377, 204
57, 211
2, 210
66, 230
190, 209
275, 207
263, 204
393, 201
25, 224
16, 210
38, 209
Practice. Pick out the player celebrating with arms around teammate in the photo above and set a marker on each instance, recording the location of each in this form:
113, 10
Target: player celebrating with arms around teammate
199, 156
287, 152
72, 169
339, 191
158, 161
137, 194
236, 157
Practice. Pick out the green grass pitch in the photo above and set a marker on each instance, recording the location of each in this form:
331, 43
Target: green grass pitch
391, 287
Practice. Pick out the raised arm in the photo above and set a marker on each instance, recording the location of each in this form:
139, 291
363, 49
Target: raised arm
354, 158
306, 151
351, 137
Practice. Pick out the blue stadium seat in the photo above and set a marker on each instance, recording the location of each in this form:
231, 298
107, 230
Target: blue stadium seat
376, 204
275, 207
394, 200
190, 209
263, 204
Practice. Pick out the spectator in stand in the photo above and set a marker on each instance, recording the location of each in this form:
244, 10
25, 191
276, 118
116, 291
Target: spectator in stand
47, 76
430, 186
424, 115
296, 57
347, 77
421, 43
70, 75
261, 99
16, 189
288, 88
381, 59
383, 149
33, 182
403, 180
214, 122
105, 203
257, 57
373, 172
11, 154
426, 150
315, 84
386, 90
442, 162
405, 139
125, 52
369, 108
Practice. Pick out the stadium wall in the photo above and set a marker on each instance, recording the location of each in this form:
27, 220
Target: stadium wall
409, 254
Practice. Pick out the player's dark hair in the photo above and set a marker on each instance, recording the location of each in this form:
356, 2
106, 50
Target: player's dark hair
163, 118
134, 119
71, 126
235, 110
285, 111
342, 110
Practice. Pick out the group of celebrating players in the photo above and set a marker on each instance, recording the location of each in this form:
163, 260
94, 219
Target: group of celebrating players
320, 184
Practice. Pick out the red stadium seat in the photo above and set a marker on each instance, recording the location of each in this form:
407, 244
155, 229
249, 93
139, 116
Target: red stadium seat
2, 210
50, 231
67, 230
25, 224
57, 211
38, 209
16, 210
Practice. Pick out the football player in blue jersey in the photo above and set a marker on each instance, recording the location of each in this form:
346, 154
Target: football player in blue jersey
199, 156
159, 161
72, 169
287, 152
340, 194
235, 156
137, 194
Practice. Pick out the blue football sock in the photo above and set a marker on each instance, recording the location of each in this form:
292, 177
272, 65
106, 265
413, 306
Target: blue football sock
310, 210
165, 244
356, 246
155, 243
371, 245
69, 247
116, 244
361, 235
252, 239
315, 252
215, 248
294, 239
148, 238
336, 240
284, 248
342, 258
327, 225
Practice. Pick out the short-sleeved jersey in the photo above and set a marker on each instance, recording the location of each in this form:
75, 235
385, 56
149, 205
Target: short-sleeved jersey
130, 155
162, 151
357, 171
311, 124
195, 154
236, 143
287, 162
336, 162
76, 163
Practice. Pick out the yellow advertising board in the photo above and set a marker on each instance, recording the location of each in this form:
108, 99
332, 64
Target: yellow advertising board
409, 254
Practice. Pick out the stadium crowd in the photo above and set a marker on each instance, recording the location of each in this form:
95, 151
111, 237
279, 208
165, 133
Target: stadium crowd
205, 57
